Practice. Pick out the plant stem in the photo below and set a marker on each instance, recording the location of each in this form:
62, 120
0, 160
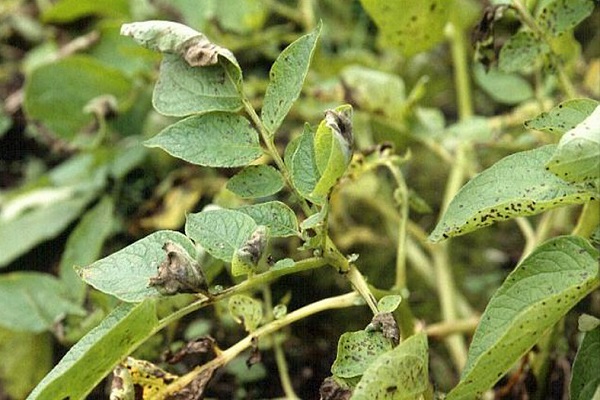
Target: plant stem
443, 329
461, 71
588, 219
343, 301
401, 247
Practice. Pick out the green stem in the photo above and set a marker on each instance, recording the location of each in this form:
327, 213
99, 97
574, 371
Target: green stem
589, 219
461, 71
401, 247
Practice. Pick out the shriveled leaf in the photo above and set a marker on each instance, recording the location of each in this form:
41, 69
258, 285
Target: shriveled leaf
585, 380
65, 11
126, 273
256, 181
303, 167
522, 50
411, 26
536, 295
220, 232
215, 140
517, 185
182, 90
286, 79
280, 219
356, 351
564, 117
558, 16
399, 374
246, 310
88, 361
247, 258
577, 157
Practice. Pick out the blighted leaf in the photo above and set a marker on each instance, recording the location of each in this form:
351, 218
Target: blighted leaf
246, 310
564, 117
585, 380
277, 216
334, 388
411, 26
399, 374
256, 181
303, 168
537, 294
558, 16
220, 232
215, 140
517, 185
33, 301
126, 274
357, 350
88, 361
121, 387
522, 50
385, 323
577, 157
246, 258
146, 376
286, 79
178, 273
182, 90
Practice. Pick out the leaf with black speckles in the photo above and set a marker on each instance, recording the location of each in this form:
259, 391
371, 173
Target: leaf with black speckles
357, 350
523, 50
564, 117
559, 16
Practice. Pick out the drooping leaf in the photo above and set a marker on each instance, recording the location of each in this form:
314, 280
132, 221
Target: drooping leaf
558, 16
585, 380
33, 301
577, 157
564, 117
126, 273
411, 26
280, 219
216, 140
246, 310
503, 87
522, 50
220, 232
88, 361
256, 181
303, 168
517, 185
537, 294
356, 351
399, 374
286, 79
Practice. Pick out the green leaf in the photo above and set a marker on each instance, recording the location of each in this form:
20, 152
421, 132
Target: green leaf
256, 181
411, 26
558, 16
577, 157
215, 140
33, 301
126, 273
241, 17
356, 351
65, 11
536, 295
84, 246
97, 353
41, 224
503, 87
57, 93
564, 117
277, 216
220, 232
585, 381
303, 168
517, 185
522, 50
246, 310
182, 90
286, 79
399, 374
389, 303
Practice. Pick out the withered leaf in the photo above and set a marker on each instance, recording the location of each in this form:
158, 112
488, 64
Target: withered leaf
179, 273
386, 324
201, 345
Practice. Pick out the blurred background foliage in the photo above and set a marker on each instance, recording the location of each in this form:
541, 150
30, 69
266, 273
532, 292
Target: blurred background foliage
76, 183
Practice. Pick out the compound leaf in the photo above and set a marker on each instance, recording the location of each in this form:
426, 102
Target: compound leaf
217, 139
537, 294
277, 216
564, 117
517, 185
356, 351
256, 181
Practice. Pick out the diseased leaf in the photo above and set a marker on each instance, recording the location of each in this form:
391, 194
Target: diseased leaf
220, 232
88, 361
522, 50
517, 185
215, 140
277, 216
585, 381
564, 117
399, 374
126, 273
256, 181
247, 258
411, 26
246, 310
356, 351
286, 79
577, 157
558, 16
537, 294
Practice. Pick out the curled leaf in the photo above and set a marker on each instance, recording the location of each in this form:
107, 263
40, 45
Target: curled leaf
201, 345
178, 273
246, 258
385, 323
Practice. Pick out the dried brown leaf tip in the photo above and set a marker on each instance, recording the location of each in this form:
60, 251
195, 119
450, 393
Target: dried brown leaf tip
255, 356
179, 273
386, 324
202, 345
332, 390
